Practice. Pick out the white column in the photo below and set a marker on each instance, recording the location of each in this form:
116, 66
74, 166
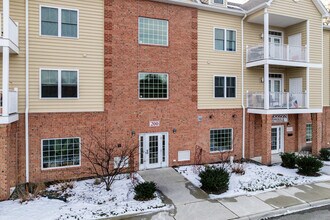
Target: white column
266, 34
307, 87
266, 86
266, 56
5, 60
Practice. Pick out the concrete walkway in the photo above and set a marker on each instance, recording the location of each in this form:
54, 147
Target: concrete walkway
192, 203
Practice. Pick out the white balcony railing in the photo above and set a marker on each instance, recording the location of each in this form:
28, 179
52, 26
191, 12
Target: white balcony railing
277, 52
277, 100
13, 30
13, 101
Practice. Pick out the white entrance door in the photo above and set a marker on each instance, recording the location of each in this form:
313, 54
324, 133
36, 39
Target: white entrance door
295, 51
277, 144
275, 47
296, 92
275, 89
153, 150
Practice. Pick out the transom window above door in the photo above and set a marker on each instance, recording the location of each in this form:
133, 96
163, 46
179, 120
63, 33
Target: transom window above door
59, 84
58, 22
224, 40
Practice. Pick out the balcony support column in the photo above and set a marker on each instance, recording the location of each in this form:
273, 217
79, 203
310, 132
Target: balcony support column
5, 61
307, 87
266, 34
266, 86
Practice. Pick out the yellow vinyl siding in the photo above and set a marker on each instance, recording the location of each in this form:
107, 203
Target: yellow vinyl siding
315, 88
304, 10
300, 28
85, 54
326, 69
294, 73
211, 62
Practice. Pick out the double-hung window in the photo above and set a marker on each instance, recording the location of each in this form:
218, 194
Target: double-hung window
153, 85
59, 84
309, 133
57, 153
153, 31
224, 87
221, 140
224, 40
59, 22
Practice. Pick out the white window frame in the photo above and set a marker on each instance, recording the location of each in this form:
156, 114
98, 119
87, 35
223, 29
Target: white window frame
168, 33
59, 10
225, 87
224, 2
63, 167
59, 75
309, 142
232, 140
225, 33
168, 92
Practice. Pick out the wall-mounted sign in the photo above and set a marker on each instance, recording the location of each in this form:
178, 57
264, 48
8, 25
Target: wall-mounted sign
154, 123
289, 130
280, 118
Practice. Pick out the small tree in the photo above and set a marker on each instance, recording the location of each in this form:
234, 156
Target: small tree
108, 160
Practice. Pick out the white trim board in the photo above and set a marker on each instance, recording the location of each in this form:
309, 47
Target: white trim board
283, 111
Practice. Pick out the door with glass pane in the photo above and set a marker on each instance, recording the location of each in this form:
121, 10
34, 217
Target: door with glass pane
277, 139
275, 47
153, 150
275, 89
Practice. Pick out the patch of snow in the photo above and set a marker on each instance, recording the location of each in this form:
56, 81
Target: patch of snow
257, 179
88, 201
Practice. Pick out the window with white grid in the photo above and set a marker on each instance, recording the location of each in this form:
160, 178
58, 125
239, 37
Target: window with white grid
153, 31
57, 153
153, 86
221, 140
309, 133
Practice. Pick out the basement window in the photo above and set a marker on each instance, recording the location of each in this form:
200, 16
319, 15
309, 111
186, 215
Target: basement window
221, 140
309, 133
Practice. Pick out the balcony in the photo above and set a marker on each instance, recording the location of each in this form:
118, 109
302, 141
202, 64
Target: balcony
12, 114
278, 54
12, 41
279, 102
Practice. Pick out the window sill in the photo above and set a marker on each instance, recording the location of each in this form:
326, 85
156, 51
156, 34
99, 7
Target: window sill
219, 152
154, 45
60, 168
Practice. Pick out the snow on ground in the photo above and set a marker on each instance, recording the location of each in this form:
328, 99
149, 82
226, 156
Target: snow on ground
88, 201
257, 179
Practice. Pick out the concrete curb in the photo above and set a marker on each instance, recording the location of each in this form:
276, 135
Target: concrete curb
286, 211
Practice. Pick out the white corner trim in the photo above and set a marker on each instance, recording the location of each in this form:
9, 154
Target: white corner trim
9, 119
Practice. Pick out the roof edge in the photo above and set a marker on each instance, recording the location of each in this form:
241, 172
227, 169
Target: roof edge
320, 6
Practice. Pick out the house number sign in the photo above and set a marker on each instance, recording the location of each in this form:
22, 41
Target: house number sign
280, 118
154, 123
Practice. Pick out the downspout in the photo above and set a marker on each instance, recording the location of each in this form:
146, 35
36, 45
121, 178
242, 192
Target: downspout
243, 94
27, 165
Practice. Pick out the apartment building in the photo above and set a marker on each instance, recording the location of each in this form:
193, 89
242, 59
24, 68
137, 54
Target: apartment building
188, 81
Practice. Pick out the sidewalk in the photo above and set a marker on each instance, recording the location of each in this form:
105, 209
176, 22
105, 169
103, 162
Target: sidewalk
191, 203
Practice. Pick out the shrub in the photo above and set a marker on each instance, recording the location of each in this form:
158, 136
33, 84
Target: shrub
145, 191
325, 154
214, 180
308, 165
288, 160
238, 169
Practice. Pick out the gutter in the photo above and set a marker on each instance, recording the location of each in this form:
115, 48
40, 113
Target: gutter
27, 165
243, 106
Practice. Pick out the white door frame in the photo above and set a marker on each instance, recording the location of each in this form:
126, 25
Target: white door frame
146, 152
280, 139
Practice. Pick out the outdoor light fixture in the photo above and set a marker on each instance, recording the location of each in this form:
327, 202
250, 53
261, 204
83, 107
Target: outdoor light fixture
174, 130
133, 133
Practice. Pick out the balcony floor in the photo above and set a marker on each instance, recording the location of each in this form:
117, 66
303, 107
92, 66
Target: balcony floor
281, 63
9, 119
283, 111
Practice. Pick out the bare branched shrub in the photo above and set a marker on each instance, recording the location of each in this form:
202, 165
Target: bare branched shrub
107, 159
238, 169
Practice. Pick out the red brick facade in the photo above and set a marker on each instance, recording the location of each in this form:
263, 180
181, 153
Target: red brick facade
124, 112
